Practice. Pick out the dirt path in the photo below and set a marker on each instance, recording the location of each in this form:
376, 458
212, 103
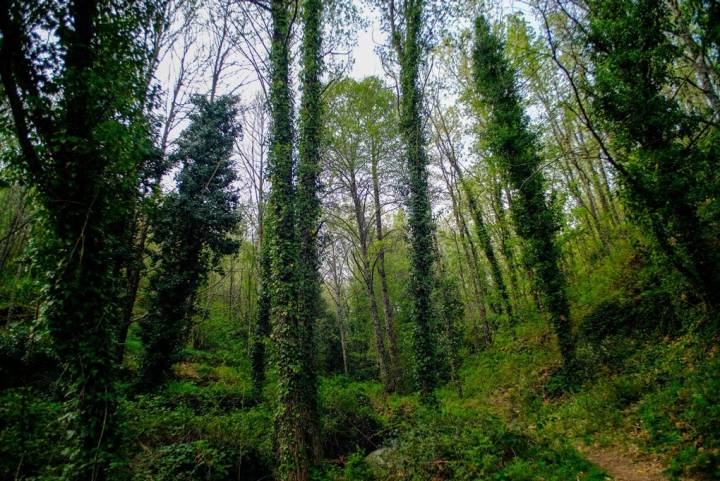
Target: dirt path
621, 466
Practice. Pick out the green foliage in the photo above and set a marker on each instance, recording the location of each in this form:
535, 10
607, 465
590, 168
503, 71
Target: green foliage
354, 469
646, 371
664, 151
193, 229
349, 420
183, 462
203, 417
514, 148
682, 416
649, 313
26, 357
465, 444
31, 436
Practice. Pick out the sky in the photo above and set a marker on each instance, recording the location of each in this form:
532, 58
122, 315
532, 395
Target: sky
367, 62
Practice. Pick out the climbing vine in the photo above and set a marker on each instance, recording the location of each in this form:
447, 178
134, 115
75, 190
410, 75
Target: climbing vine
192, 228
514, 148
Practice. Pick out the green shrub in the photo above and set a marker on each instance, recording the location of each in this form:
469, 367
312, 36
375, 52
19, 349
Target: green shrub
349, 421
651, 312
468, 445
683, 415
31, 435
182, 462
26, 357
238, 439
354, 469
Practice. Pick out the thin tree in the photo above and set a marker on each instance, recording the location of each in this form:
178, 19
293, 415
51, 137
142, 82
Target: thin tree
449, 151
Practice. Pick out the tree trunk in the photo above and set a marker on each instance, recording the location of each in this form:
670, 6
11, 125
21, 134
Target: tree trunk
382, 355
394, 370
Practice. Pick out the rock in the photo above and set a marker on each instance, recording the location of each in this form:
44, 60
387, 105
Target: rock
381, 458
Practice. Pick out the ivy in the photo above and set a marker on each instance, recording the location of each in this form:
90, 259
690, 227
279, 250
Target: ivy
514, 148
419, 209
192, 228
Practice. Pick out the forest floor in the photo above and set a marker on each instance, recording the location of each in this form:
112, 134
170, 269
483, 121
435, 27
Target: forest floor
637, 415
647, 408
622, 467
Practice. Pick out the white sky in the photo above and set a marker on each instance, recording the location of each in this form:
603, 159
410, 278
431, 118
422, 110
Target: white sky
367, 63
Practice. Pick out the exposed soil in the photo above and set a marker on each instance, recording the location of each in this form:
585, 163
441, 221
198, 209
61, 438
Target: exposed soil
621, 466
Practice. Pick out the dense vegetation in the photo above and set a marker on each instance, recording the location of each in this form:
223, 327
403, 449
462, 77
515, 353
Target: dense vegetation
224, 257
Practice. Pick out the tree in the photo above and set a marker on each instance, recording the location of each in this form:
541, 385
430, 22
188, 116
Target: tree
76, 96
667, 156
514, 148
293, 419
408, 47
193, 230
262, 323
448, 150
307, 205
360, 134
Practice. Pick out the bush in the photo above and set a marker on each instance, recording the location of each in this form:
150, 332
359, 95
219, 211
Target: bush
159, 432
349, 422
26, 358
471, 445
683, 416
649, 313
182, 462
31, 436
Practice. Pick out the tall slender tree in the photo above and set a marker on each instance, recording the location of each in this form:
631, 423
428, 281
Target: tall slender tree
515, 149
409, 50
262, 322
307, 203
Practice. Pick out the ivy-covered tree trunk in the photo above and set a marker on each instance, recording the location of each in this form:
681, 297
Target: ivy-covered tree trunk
420, 215
514, 146
81, 132
292, 418
307, 206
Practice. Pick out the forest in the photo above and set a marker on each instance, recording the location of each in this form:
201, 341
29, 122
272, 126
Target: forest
359, 240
